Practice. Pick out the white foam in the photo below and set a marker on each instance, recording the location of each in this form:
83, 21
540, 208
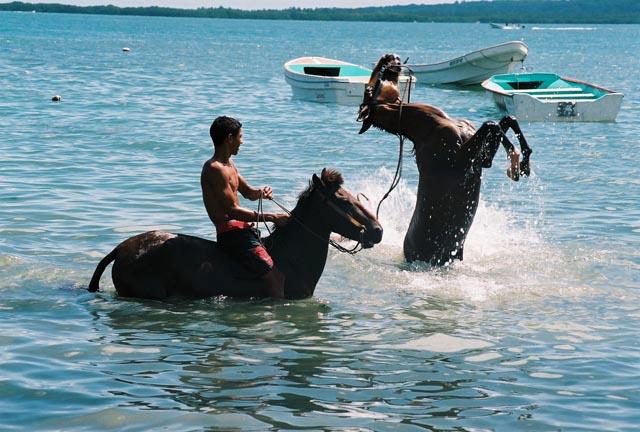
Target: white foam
565, 28
565, 347
501, 249
442, 343
270, 350
121, 349
483, 357
545, 375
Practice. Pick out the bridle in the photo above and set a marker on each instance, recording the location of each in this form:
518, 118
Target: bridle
371, 103
335, 207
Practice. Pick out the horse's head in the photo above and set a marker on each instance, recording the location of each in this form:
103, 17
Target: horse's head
344, 214
391, 67
382, 87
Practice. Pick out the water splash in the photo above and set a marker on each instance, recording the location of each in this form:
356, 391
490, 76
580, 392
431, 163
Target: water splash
506, 257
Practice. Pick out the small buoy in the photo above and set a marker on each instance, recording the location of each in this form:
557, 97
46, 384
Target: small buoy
126, 49
56, 98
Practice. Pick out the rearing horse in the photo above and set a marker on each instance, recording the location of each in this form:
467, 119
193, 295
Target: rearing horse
450, 155
158, 264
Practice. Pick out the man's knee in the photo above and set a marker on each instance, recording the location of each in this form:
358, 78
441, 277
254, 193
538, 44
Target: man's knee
274, 279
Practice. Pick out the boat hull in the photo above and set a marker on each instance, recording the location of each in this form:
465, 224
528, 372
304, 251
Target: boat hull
577, 102
474, 67
527, 108
342, 90
507, 26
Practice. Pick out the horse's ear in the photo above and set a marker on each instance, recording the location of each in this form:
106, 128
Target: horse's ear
363, 116
366, 124
317, 182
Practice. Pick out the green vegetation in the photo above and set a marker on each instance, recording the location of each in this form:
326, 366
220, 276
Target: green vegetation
519, 11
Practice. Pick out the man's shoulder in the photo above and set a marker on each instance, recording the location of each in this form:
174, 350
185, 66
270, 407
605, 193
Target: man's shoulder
212, 165
217, 169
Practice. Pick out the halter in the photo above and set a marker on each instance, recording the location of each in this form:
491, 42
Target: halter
407, 92
345, 214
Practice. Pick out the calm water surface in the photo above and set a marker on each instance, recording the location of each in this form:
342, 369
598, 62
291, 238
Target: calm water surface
535, 330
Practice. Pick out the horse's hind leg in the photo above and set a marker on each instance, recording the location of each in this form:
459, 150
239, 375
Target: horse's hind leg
511, 122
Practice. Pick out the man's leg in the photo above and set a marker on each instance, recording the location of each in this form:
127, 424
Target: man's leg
275, 283
273, 278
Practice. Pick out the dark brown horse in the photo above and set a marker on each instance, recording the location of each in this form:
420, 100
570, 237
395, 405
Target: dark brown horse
450, 154
158, 264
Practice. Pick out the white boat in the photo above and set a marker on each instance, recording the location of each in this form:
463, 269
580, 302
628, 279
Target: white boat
507, 26
322, 79
549, 97
474, 67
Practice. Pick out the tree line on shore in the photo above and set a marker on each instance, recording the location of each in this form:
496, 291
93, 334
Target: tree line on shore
513, 11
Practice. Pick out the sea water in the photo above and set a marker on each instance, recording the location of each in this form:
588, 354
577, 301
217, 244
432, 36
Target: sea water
535, 330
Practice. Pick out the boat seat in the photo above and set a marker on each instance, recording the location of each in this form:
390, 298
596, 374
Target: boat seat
328, 71
549, 90
567, 96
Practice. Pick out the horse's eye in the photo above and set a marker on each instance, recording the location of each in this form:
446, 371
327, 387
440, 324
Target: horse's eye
342, 195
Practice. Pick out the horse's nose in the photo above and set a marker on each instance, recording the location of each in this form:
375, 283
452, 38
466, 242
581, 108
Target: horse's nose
376, 234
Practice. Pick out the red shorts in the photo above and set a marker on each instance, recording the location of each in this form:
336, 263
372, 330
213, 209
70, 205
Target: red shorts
243, 245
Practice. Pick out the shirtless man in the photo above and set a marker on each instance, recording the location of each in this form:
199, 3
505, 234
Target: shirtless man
221, 182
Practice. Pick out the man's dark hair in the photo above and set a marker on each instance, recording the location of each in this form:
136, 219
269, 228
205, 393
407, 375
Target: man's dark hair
223, 126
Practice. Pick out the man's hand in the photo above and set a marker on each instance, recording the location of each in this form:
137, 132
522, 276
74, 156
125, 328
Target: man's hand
267, 192
280, 219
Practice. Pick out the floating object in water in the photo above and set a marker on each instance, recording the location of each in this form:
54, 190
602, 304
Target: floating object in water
549, 97
322, 79
126, 49
473, 67
507, 26
56, 98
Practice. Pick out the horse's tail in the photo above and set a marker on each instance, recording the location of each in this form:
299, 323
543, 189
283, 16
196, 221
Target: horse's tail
94, 285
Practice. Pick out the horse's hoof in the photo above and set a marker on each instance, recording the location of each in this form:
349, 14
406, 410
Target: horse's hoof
525, 169
513, 175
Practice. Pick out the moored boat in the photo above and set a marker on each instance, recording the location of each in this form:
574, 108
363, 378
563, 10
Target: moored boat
507, 26
321, 79
474, 67
549, 97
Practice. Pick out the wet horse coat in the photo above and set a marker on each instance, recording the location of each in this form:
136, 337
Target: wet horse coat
450, 155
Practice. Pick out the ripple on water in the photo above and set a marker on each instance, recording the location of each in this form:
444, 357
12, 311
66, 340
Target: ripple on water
535, 329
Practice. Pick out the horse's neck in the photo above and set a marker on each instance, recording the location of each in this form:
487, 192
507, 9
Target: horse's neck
414, 121
422, 124
300, 248
375, 73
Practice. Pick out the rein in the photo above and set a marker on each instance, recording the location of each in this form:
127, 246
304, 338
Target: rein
354, 250
397, 176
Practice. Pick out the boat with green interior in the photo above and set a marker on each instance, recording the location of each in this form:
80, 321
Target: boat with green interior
536, 96
321, 79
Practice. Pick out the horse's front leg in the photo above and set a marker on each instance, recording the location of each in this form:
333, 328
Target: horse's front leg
511, 122
479, 150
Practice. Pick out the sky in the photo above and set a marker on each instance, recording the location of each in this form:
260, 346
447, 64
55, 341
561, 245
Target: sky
241, 4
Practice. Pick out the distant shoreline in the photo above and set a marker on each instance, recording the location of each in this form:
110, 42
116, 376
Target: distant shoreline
523, 11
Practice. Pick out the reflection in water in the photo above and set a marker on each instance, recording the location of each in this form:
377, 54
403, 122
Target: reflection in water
272, 361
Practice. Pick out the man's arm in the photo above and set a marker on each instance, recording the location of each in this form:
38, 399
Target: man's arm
251, 193
226, 201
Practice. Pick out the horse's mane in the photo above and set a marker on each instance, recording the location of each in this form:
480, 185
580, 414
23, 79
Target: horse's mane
330, 177
423, 108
